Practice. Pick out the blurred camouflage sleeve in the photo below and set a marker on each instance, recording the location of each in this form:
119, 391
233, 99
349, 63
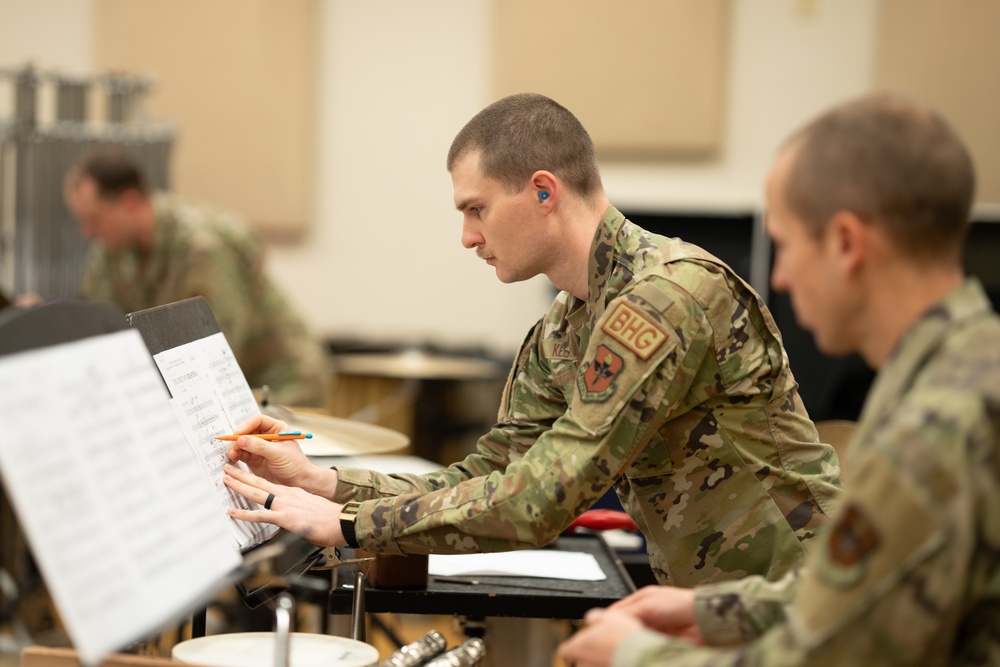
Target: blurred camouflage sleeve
734, 612
506, 442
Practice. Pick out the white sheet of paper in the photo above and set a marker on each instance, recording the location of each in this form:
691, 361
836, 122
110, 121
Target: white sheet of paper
121, 520
546, 563
211, 398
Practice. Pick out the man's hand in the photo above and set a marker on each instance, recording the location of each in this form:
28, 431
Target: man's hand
664, 608
315, 519
279, 462
594, 645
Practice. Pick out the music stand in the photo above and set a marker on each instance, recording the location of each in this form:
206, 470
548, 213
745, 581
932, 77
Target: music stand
26, 329
172, 325
54, 323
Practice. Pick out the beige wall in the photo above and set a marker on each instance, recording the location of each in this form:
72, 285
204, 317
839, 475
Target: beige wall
395, 80
385, 261
236, 77
947, 54
48, 33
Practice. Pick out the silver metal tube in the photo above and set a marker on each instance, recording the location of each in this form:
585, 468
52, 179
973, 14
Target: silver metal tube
358, 608
417, 652
283, 630
464, 655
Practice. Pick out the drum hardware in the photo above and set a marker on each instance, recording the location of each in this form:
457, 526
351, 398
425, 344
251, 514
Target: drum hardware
283, 628
286, 647
358, 607
258, 649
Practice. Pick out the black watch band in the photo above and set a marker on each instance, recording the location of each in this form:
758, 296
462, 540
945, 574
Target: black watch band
348, 515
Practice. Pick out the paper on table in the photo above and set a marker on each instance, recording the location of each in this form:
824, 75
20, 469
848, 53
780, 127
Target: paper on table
212, 397
547, 563
120, 518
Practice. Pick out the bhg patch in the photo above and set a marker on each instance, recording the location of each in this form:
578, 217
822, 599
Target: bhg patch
597, 382
634, 329
851, 543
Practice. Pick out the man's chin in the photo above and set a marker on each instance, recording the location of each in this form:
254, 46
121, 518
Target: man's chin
831, 347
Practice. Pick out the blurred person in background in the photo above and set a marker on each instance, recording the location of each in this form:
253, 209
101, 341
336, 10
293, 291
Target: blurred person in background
153, 248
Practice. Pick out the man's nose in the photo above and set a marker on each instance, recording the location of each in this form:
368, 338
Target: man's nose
470, 234
778, 281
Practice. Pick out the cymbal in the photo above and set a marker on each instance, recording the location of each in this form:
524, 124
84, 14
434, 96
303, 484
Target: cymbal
335, 436
416, 364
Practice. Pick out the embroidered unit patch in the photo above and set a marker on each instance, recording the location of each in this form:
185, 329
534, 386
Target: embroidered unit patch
597, 381
634, 329
852, 541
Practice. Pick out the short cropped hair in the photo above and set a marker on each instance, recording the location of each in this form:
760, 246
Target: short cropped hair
114, 170
892, 163
520, 134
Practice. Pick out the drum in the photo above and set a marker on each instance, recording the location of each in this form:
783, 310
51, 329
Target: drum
257, 649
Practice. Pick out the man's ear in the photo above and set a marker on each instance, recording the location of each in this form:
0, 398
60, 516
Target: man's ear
546, 187
847, 237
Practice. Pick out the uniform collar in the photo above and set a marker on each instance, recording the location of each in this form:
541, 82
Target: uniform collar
609, 240
919, 342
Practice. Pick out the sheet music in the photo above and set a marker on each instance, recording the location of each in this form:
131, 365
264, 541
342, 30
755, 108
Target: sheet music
210, 398
121, 520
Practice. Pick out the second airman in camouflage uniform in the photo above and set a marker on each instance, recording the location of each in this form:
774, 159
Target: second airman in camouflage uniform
869, 207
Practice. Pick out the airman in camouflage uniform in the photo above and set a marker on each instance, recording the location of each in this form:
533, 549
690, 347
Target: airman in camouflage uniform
907, 570
197, 251
657, 371
669, 383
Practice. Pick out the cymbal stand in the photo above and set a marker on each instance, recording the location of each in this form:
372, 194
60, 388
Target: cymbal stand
283, 613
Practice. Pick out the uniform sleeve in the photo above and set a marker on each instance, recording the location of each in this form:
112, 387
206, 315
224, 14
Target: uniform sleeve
563, 443
515, 431
735, 612
884, 584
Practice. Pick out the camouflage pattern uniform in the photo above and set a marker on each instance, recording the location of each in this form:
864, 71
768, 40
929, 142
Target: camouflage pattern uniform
908, 569
669, 383
213, 254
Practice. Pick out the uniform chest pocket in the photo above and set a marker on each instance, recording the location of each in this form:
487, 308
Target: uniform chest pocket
563, 366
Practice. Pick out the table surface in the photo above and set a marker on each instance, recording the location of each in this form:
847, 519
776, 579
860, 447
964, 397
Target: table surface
571, 600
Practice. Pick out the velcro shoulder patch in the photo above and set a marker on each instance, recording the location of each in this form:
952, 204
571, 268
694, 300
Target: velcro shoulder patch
634, 329
883, 530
